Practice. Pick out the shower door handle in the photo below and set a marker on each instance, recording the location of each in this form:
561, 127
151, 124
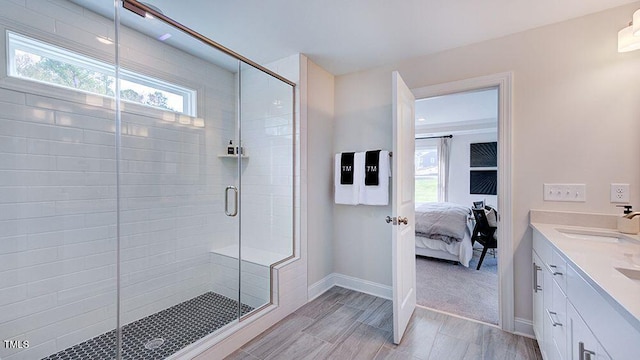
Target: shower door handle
235, 201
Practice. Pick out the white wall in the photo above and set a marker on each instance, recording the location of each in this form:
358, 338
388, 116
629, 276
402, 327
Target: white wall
575, 119
361, 237
459, 169
320, 120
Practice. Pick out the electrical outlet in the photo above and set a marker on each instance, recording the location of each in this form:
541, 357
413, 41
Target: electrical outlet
619, 193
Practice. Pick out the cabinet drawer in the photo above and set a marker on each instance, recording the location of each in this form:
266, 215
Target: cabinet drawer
558, 267
542, 247
617, 336
558, 317
551, 259
554, 335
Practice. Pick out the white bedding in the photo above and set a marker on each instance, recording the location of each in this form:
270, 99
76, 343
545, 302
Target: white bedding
458, 250
442, 220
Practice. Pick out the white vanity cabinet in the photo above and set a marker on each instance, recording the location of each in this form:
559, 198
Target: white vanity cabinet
549, 299
572, 319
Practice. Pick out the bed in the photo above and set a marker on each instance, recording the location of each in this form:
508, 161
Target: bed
442, 231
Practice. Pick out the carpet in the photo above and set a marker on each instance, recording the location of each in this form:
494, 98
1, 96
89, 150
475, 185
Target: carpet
450, 287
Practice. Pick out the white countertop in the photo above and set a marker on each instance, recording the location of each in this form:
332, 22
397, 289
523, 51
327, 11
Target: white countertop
596, 262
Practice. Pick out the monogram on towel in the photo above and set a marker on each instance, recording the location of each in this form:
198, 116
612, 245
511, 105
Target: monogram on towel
371, 168
346, 168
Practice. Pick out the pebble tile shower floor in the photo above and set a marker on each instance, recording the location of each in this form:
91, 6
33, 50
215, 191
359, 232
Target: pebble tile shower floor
178, 326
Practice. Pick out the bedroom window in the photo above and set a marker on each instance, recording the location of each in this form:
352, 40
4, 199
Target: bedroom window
426, 162
38, 61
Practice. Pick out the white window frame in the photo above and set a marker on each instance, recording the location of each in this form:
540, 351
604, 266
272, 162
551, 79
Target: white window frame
20, 42
426, 144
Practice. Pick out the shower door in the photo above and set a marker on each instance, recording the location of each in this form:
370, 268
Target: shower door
180, 189
206, 186
267, 132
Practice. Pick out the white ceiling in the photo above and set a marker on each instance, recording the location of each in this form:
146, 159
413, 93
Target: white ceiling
347, 36
466, 112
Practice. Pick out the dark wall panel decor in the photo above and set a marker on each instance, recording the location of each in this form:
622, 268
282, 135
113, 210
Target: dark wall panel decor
483, 182
484, 154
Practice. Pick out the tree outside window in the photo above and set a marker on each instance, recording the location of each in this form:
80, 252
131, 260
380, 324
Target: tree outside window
45, 63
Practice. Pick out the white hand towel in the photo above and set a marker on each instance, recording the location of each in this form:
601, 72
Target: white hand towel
346, 194
374, 194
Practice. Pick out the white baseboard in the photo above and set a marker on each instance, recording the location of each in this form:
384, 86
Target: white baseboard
320, 287
349, 282
524, 327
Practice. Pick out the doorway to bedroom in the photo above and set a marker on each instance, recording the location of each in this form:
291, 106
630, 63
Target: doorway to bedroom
456, 198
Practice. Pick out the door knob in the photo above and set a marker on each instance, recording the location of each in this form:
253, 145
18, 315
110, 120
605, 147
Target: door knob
403, 220
391, 220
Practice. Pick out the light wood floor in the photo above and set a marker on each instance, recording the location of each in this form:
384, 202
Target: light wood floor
344, 324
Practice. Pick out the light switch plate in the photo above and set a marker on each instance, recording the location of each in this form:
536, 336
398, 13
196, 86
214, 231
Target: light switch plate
619, 193
565, 192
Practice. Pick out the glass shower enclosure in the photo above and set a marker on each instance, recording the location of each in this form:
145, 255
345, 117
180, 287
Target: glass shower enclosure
146, 182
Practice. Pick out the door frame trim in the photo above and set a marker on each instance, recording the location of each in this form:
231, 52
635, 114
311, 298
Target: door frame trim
503, 81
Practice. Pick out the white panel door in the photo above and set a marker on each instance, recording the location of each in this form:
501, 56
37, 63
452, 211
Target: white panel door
403, 189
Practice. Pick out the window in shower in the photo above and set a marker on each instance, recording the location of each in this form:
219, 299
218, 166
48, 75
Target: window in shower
34, 60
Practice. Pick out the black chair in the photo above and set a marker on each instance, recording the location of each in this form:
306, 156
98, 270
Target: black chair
483, 234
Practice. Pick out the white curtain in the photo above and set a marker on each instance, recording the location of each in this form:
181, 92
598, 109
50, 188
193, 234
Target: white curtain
444, 150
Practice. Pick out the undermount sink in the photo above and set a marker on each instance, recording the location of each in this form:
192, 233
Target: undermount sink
591, 235
630, 273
